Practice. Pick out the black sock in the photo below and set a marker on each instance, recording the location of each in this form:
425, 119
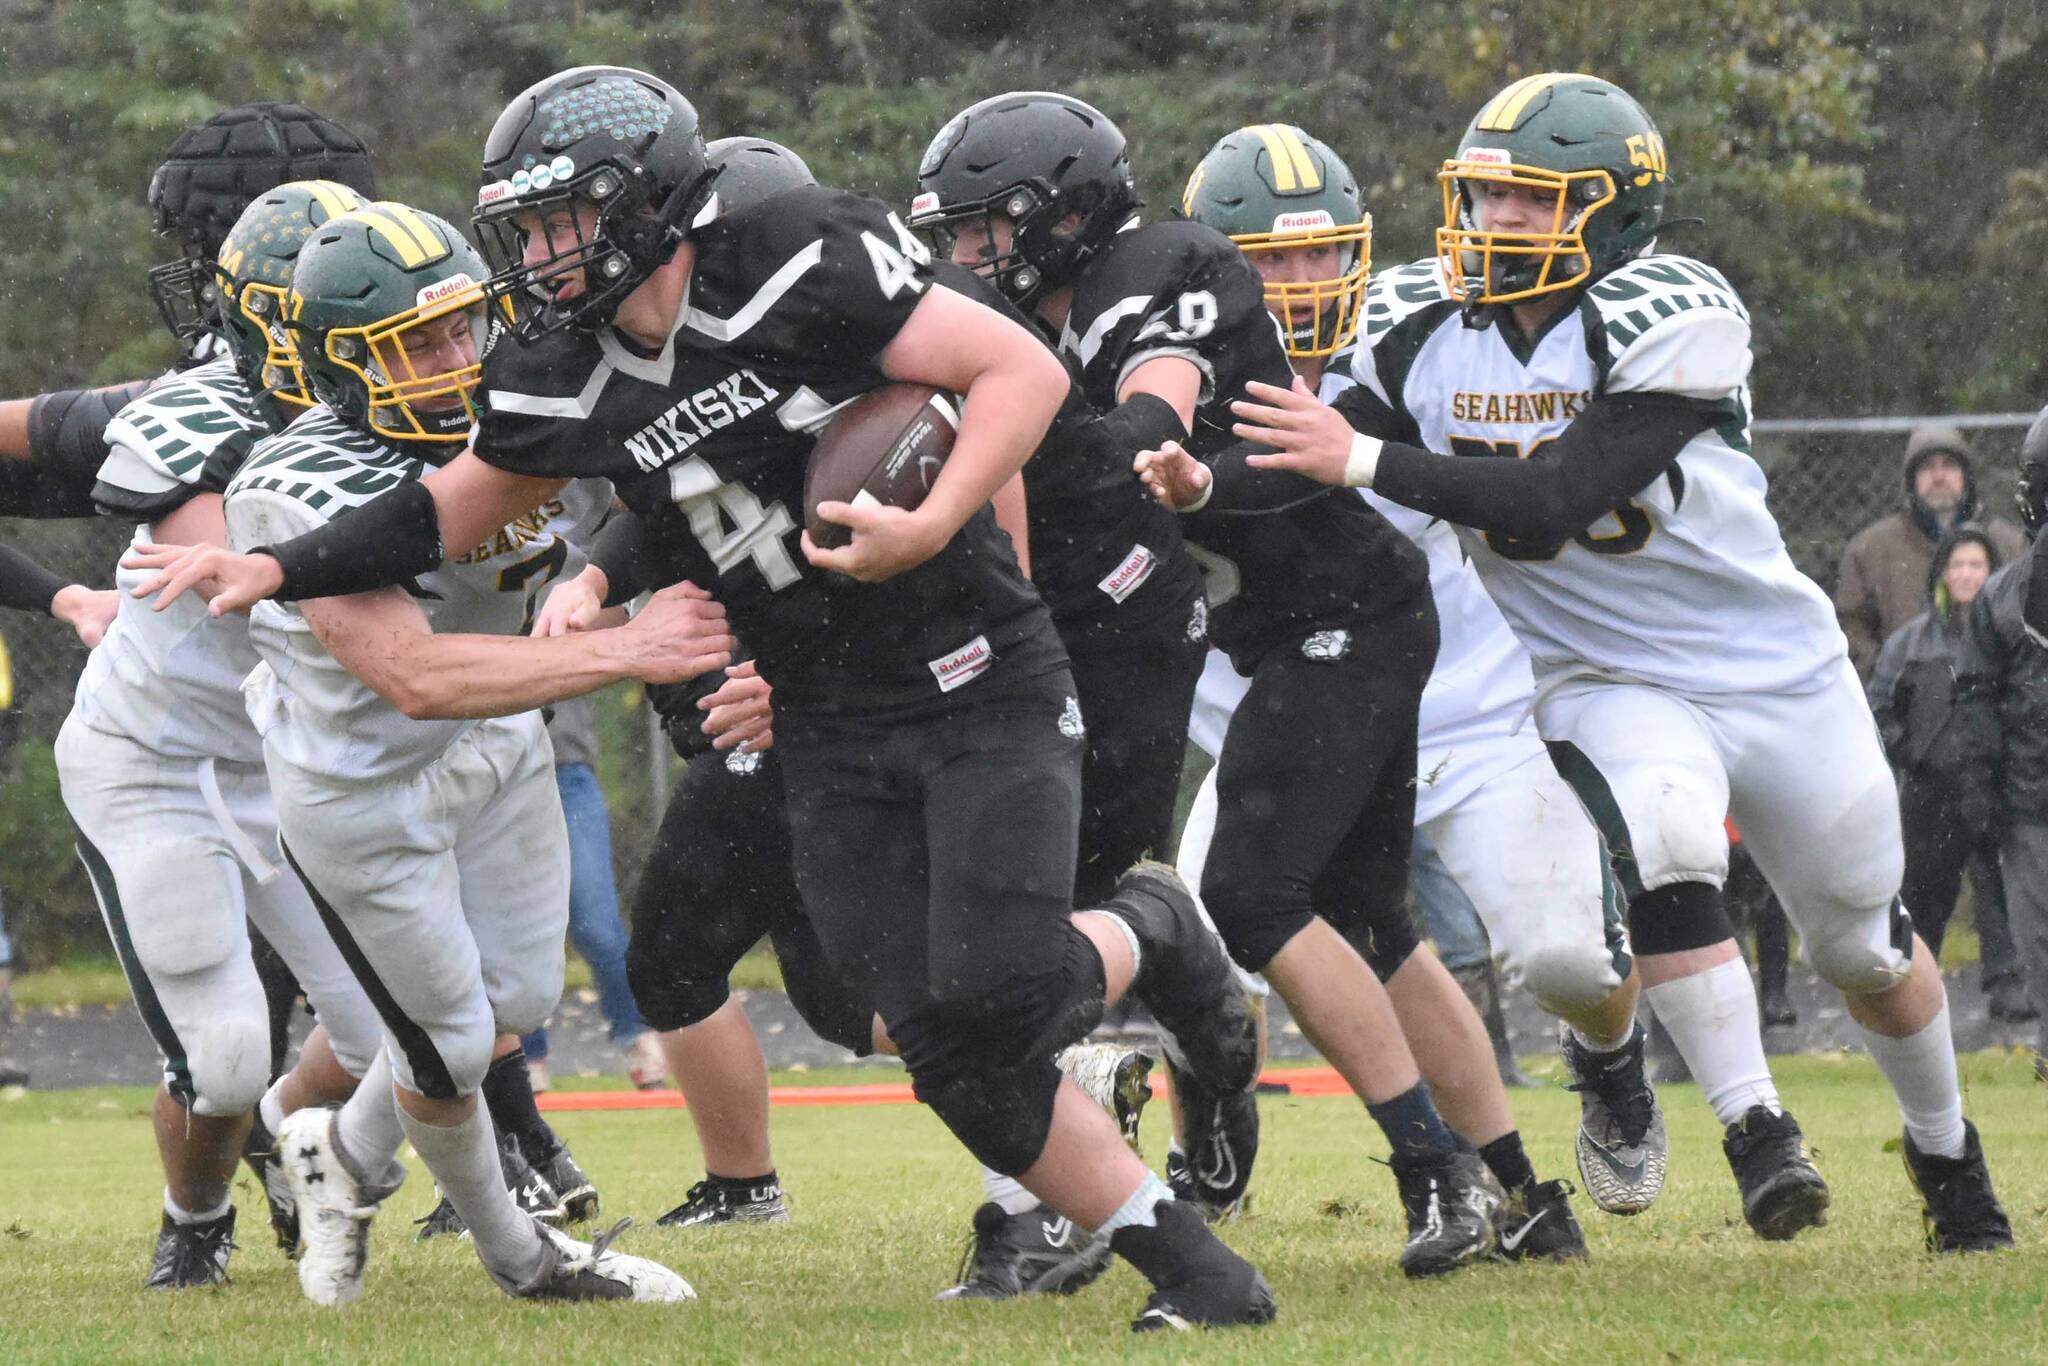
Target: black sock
1411, 1123
508, 1092
1506, 1160
1164, 1250
740, 1183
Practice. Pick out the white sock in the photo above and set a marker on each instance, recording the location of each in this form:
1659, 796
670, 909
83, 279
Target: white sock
1139, 1210
1005, 1191
1712, 1018
1922, 1070
180, 1215
1593, 1045
368, 1130
1123, 927
271, 1108
464, 1161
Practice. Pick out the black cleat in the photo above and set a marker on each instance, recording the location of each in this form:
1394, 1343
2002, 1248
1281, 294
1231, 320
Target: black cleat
1221, 1131
1536, 1224
1197, 1282
1782, 1191
1960, 1209
1206, 1021
712, 1201
576, 1192
189, 1256
531, 1191
1621, 1145
1034, 1253
1452, 1203
259, 1150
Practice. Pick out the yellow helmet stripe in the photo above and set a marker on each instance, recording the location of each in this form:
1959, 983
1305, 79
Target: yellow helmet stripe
1284, 179
414, 224
334, 197
401, 241
6, 677
1297, 152
1502, 112
1187, 198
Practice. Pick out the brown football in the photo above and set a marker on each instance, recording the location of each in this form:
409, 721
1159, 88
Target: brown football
885, 447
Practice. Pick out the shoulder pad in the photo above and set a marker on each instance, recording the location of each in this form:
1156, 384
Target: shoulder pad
1131, 289
1646, 291
1403, 307
1668, 323
164, 438
325, 464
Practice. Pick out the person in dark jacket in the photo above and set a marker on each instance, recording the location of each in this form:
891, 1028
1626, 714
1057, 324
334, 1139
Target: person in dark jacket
1884, 569
1946, 798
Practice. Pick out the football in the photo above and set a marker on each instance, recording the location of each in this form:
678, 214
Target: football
885, 447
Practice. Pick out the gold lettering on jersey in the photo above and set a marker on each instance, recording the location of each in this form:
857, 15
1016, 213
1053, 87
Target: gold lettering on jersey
739, 395
1551, 405
521, 532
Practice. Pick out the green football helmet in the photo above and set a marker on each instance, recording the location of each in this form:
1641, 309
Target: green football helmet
1293, 207
388, 304
1583, 145
254, 273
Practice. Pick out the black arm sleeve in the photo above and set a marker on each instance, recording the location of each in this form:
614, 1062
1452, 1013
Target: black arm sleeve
1142, 422
25, 585
1620, 443
620, 550
1241, 490
381, 544
66, 446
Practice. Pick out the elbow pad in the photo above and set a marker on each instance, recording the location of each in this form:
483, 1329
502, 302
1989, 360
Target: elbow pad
67, 442
383, 543
1142, 422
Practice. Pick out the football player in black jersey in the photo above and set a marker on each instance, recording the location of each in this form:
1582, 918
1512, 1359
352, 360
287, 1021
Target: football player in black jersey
1322, 602
927, 723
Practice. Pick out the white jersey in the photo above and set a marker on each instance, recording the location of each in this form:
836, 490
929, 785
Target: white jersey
171, 681
1686, 586
313, 713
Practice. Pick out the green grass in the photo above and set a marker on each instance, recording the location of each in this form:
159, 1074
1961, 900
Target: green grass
881, 1198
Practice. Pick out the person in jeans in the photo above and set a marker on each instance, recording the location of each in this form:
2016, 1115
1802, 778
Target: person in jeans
594, 926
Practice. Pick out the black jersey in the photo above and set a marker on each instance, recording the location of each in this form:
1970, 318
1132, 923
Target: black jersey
708, 442
1182, 289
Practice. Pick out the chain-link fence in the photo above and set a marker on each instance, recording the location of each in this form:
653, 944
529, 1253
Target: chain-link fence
1829, 478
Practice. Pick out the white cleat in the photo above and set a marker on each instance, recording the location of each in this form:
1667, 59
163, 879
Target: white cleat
334, 1212
592, 1271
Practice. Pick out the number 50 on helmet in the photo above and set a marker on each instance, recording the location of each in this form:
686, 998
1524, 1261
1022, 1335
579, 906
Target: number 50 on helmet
1576, 142
388, 305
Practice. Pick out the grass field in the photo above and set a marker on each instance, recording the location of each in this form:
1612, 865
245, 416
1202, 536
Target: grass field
882, 1196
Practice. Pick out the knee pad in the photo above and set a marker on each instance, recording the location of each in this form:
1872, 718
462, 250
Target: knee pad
448, 1065
1567, 978
228, 1059
1862, 954
1678, 916
1252, 924
523, 1006
834, 1010
667, 999
948, 1043
1002, 1117
1383, 946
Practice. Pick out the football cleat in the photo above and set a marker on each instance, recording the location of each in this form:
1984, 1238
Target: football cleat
1960, 1209
334, 1208
712, 1201
1221, 1134
1621, 1144
1452, 1204
1782, 1191
259, 1150
1114, 1076
1035, 1253
1205, 1284
189, 1256
592, 1271
1536, 1224
529, 1189
576, 1192
1206, 1021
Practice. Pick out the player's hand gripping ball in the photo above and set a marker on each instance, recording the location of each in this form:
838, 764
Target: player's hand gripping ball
883, 449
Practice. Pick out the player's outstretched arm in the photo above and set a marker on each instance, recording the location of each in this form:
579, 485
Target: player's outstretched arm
1012, 386
28, 587
383, 638
383, 543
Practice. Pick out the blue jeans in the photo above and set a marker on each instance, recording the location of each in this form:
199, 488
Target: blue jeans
594, 927
6, 947
1448, 915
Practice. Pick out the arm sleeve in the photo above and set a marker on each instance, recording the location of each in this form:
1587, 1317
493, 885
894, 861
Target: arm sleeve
381, 544
66, 444
25, 585
1619, 444
620, 550
1240, 490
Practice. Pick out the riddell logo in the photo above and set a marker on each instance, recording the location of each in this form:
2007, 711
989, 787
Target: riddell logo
928, 202
964, 665
1304, 222
493, 192
454, 284
1487, 156
1129, 576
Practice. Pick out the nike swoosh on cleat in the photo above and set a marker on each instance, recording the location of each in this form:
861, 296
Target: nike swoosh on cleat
1510, 1241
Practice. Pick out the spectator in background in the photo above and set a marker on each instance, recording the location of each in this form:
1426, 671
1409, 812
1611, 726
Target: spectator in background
1947, 804
1883, 581
594, 927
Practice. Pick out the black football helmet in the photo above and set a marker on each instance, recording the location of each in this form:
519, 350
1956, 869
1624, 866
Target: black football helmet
622, 151
216, 170
753, 169
1038, 159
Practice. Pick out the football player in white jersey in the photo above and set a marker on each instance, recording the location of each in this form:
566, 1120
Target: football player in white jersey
415, 790
163, 776
1487, 794
1686, 670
